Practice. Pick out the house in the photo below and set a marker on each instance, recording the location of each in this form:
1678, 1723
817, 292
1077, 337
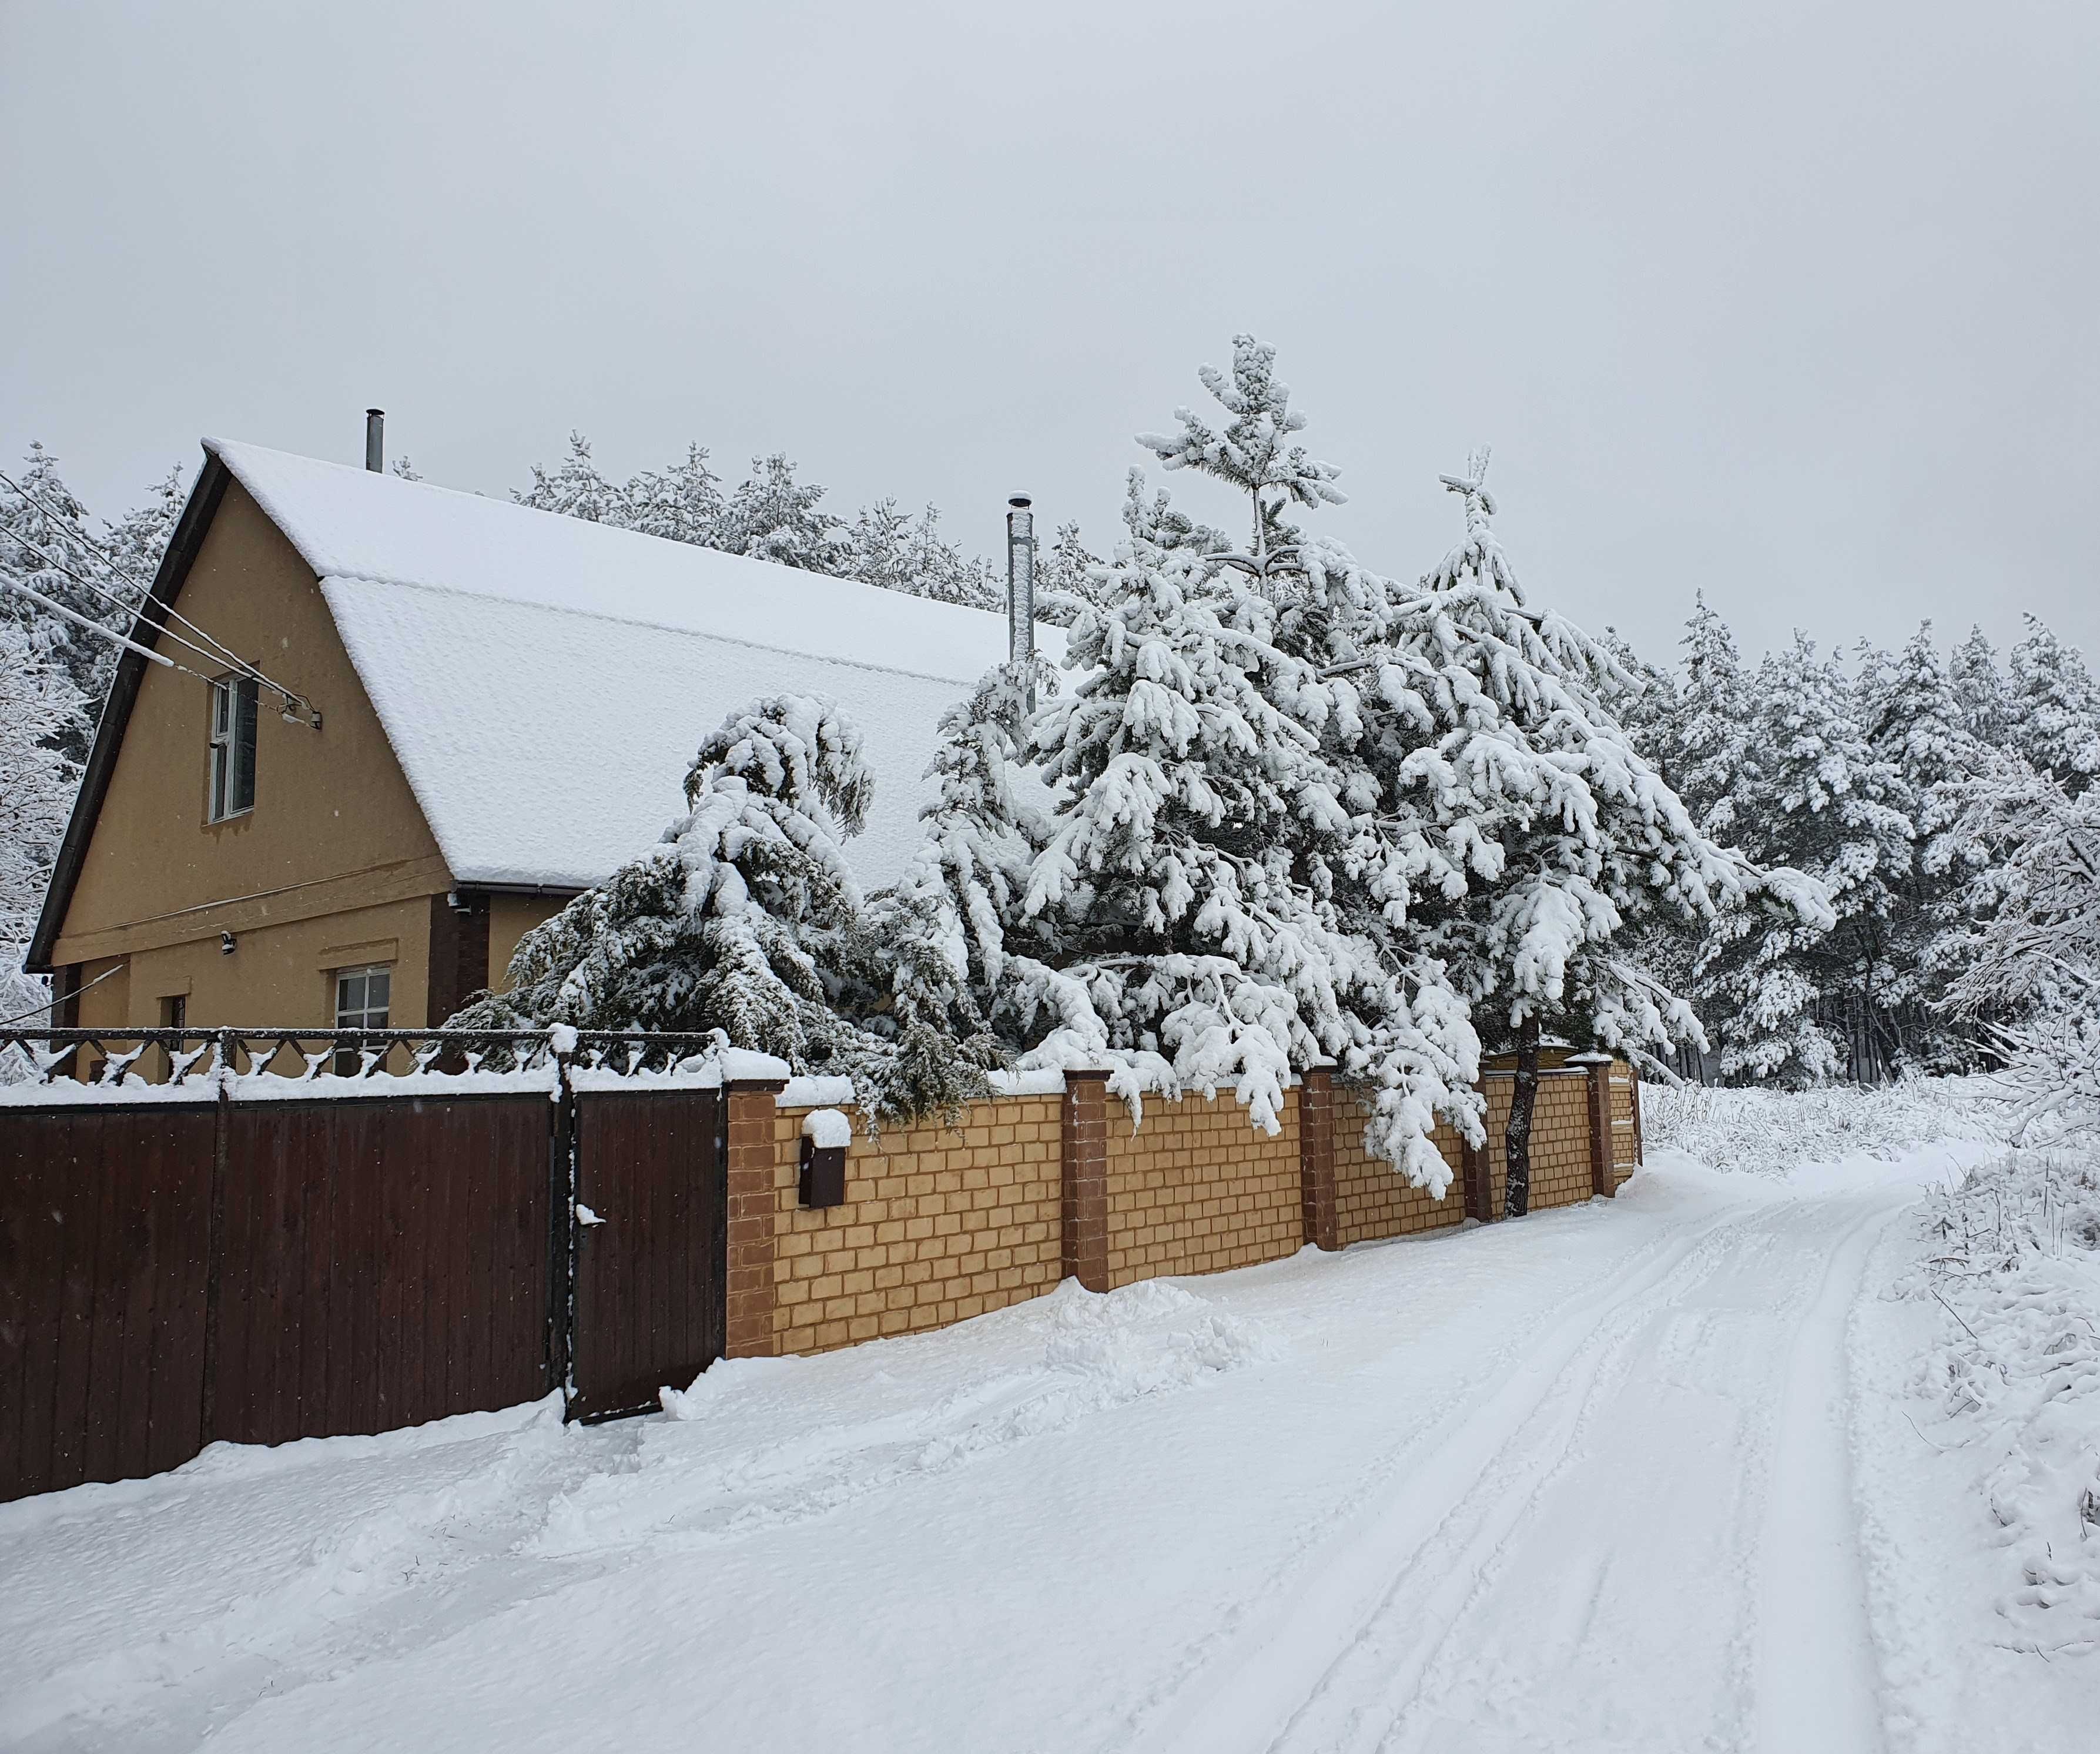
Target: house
484, 710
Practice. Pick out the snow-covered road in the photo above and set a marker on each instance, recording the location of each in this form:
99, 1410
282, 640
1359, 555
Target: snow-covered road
1588, 1481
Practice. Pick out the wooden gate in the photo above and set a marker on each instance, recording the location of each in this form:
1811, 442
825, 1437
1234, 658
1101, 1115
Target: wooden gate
651, 1243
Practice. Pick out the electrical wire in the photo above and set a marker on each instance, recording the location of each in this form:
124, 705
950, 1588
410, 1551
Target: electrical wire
96, 627
219, 652
110, 597
144, 589
58, 999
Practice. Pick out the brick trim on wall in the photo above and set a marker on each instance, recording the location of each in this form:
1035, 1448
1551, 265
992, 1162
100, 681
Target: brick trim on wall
1316, 1158
748, 1130
1085, 1157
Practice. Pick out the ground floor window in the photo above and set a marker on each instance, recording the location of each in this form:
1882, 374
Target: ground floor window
364, 998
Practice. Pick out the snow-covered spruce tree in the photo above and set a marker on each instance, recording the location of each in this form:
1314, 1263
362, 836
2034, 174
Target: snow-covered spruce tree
1064, 576
1179, 937
1979, 687
2055, 709
746, 919
1557, 846
37, 706
1917, 722
1800, 1001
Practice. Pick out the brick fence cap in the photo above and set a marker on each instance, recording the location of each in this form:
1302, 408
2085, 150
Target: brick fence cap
756, 1086
1089, 1074
1591, 1059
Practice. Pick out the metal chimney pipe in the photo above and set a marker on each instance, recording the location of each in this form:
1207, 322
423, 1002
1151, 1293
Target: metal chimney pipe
1020, 580
375, 439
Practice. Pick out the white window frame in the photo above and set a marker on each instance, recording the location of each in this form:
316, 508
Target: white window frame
364, 1015
231, 697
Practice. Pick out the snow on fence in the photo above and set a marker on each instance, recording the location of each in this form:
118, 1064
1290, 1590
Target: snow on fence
220, 1235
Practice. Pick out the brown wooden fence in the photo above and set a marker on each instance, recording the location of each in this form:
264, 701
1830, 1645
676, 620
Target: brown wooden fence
181, 1267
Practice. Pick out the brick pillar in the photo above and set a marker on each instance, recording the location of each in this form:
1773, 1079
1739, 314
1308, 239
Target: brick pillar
1086, 1177
1602, 1179
748, 1129
1316, 1157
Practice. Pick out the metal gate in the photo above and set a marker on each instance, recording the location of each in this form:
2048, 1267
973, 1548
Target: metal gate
651, 1304
181, 1267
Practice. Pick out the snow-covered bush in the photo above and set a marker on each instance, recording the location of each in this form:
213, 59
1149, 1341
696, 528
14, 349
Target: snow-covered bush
1775, 1132
2011, 1266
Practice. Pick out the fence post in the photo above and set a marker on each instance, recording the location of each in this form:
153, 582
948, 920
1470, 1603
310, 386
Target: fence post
1598, 1072
562, 1148
1085, 1156
215, 1249
748, 1169
1316, 1157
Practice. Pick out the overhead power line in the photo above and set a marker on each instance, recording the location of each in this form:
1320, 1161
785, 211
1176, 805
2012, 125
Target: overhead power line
222, 652
96, 627
217, 653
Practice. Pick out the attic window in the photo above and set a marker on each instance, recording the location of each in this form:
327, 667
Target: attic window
233, 746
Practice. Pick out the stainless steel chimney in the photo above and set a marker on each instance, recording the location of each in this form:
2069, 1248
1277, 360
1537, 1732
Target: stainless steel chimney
375, 439
1020, 580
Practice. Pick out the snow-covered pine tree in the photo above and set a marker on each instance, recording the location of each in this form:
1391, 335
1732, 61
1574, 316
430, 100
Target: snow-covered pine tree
2055, 716
1188, 950
885, 547
576, 489
1557, 845
2030, 974
1252, 450
1801, 1001
772, 516
136, 541
746, 919
45, 545
1064, 576
37, 706
681, 503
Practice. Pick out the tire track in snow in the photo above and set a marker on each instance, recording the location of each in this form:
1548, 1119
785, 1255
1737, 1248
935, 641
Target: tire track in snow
1816, 1658
1281, 1657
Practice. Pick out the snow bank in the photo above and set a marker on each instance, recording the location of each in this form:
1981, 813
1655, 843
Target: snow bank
757, 1441
1775, 1132
2010, 1268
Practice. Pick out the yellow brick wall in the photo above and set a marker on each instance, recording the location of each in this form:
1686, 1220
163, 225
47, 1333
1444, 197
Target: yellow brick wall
1371, 1198
1197, 1189
938, 1226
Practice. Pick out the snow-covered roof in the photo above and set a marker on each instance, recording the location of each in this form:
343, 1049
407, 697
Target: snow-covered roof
545, 681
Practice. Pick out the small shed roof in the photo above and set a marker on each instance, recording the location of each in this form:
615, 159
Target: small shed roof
545, 680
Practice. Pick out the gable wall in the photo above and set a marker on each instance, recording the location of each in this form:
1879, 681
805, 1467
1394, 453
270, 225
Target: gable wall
335, 852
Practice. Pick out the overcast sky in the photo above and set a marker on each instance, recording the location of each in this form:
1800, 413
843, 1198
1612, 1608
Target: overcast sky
1793, 303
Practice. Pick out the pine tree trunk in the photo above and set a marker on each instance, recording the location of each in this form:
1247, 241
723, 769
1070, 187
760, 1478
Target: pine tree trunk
1516, 1137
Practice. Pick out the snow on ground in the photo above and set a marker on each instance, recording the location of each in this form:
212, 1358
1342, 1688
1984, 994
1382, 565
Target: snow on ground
1693, 1468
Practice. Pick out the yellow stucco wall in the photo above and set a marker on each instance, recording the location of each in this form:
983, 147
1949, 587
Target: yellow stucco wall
335, 852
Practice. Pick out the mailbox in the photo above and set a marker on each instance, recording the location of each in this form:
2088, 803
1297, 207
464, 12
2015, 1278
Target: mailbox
826, 1134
